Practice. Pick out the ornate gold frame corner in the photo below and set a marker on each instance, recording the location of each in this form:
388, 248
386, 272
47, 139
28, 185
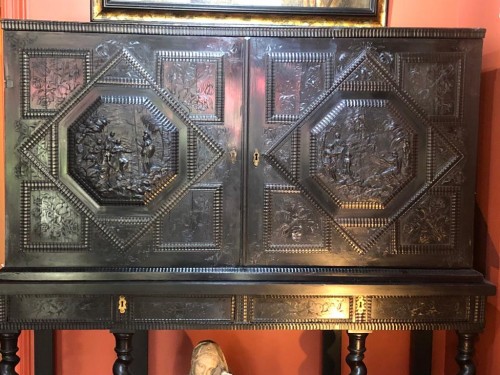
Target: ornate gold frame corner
100, 12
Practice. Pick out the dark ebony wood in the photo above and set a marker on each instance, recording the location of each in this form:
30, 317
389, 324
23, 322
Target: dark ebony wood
174, 177
123, 351
140, 344
356, 354
8, 349
421, 353
332, 349
465, 353
44, 352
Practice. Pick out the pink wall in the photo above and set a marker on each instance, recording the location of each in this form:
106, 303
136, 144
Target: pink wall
297, 352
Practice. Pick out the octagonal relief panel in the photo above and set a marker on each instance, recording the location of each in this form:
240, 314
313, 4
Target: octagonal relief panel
363, 152
122, 149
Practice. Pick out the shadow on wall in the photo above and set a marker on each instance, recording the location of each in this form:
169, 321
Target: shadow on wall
486, 256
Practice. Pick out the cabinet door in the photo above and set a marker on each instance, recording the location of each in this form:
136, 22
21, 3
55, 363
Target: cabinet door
285, 225
127, 150
362, 148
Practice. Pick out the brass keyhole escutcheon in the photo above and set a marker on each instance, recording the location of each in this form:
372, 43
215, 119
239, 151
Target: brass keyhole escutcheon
233, 155
360, 305
122, 304
256, 158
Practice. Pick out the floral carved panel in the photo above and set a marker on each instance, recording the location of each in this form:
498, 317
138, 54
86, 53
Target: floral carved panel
195, 224
195, 80
269, 309
294, 81
51, 222
434, 81
50, 77
430, 225
292, 224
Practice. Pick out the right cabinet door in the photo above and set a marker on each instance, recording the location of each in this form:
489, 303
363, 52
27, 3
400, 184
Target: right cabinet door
361, 152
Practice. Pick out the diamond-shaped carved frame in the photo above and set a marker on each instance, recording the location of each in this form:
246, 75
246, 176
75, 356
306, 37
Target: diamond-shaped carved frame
81, 201
425, 178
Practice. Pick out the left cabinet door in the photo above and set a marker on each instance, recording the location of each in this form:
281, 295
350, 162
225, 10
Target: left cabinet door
123, 150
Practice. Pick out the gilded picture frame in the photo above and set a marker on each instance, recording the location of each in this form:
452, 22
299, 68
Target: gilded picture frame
318, 13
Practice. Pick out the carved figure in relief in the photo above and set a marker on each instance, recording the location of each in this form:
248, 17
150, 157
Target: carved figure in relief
332, 155
365, 153
114, 161
208, 359
122, 150
147, 151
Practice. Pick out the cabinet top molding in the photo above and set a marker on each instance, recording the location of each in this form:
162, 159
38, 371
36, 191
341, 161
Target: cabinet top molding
256, 31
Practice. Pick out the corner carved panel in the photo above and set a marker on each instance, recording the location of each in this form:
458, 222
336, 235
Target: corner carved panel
294, 81
434, 81
50, 222
431, 224
196, 80
195, 223
354, 50
292, 224
49, 77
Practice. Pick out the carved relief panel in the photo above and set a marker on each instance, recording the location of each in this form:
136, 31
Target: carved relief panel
368, 151
119, 147
200, 151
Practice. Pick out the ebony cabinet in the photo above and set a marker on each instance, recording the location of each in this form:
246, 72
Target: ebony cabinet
200, 177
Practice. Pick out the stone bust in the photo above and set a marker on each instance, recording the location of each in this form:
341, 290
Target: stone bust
208, 359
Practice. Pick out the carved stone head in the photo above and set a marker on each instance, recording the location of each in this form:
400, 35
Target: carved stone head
208, 359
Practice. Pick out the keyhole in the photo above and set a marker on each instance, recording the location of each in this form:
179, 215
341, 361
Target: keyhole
122, 305
360, 305
256, 158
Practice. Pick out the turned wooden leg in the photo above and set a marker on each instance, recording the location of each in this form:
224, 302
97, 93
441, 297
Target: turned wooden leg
465, 353
123, 350
8, 349
356, 349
